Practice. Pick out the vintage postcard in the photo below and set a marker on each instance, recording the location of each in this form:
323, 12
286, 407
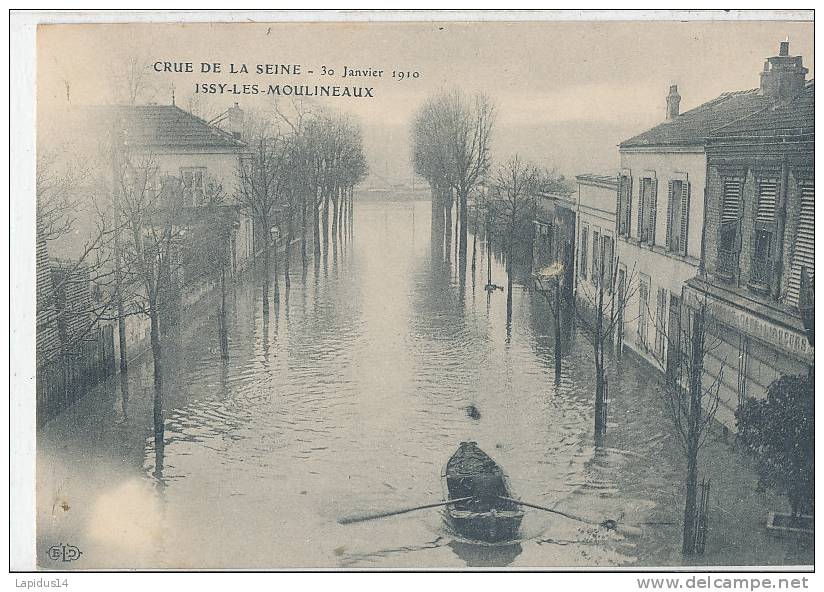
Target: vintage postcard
422, 292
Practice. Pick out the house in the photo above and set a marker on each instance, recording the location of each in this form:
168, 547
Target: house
166, 143
759, 237
660, 213
595, 238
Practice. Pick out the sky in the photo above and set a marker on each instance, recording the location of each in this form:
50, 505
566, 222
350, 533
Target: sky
566, 93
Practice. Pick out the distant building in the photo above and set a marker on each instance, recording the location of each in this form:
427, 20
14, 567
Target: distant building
759, 235
660, 212
554, 237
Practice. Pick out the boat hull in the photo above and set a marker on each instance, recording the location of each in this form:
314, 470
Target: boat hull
487, 518
488, 527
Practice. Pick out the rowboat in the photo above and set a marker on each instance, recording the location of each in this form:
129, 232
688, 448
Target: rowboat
485, 517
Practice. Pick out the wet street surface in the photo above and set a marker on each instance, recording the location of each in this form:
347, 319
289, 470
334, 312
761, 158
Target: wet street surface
349, 398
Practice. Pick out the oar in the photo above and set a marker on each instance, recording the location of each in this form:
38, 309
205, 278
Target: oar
609, 523
365, 517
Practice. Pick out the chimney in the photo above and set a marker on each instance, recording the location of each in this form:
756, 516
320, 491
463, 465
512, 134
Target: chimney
234, 121
673, 102
783, 76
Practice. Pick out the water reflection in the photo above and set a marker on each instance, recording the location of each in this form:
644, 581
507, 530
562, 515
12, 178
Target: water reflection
480, 555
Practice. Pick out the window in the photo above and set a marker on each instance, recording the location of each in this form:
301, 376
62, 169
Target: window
606, 260
624, 205
193, 181
804, 250
678, 199
646, 210
660, 323
583, 257
761, 260
596, 246
643, 309
729, 231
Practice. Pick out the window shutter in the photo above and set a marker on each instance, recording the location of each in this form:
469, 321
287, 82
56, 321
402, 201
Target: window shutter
642, 189
731, 209
767, 193
804, 253
622, 203
596, 245
653, 209
629, 207
670, 211
685, 216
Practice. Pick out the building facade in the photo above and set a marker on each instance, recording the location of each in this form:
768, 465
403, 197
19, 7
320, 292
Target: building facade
554, 242
660, 216
595, 235
759, 237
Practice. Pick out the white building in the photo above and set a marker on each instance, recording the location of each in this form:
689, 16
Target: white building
660, 215
595, 233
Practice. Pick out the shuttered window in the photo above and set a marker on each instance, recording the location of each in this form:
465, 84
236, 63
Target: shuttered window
678, 209
767, 194
646, 210
624, 205
606, 261
731, 207
804, 250
596, 246
583, 258
643, 310
731, 212
660, 321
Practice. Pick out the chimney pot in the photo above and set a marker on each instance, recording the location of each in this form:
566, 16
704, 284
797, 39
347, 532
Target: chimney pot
784, 48
673, 102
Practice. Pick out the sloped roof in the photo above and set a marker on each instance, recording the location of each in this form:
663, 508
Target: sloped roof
692, 128
793, 118
170, 126
610, 181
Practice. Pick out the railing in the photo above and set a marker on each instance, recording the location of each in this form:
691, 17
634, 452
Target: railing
727, 264
761, 273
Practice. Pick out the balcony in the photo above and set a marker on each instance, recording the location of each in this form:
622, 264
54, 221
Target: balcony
727, 265
761, 273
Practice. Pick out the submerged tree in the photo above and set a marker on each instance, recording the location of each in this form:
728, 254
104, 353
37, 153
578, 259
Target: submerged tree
515, 187
451, 138
691, 393
263, 180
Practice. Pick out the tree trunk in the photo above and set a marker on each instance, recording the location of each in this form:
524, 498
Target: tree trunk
224, 339
447, 201
266, 275
696, 370
489, 252
600, 382
157, 357
288, 254
351, 211
474, 243
557, 311
335, 210
326, 221
464, 223
303, 229
316, 224
275, 267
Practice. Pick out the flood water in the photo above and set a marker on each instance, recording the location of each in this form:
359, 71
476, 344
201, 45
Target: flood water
350, 397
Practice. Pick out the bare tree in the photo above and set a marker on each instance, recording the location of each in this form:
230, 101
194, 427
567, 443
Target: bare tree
263, 179
130, 79
515, 186
691, 393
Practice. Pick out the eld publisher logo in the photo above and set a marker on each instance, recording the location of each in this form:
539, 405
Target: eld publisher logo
64, 553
